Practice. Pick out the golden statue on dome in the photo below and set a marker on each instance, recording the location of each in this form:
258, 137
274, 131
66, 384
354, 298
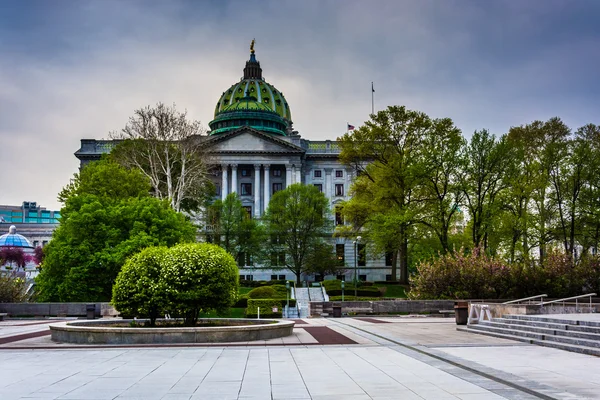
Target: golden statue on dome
252, 46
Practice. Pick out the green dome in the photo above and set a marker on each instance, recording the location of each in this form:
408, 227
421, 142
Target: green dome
248, 111
252, 102
264, 92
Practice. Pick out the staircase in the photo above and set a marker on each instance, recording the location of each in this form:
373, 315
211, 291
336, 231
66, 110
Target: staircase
302, 296
576, 336
316, 294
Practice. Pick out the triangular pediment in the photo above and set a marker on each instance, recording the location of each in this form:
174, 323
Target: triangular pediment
247, 140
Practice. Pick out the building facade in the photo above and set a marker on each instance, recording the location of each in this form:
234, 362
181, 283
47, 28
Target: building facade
257, 153
34, 222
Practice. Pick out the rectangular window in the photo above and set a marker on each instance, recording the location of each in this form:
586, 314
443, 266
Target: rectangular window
274, 259
340, 254
218, 190
282, 277
319, 186
246, 189
362, 255
340, 277
339, 189
45, 242
248, 211
282, 259
339, 218
273, 277
242, 277
36, 243
276, 172
317, 173
389, 258
277, 187
362, 278
246, 172
388, 278
339, 173
249, 278
241, 259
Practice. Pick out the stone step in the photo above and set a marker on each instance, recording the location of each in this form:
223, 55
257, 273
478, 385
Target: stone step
595, 324
558, 330
542, 324
563, 346
526, 333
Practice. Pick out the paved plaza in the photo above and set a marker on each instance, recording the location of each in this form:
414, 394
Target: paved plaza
348, 358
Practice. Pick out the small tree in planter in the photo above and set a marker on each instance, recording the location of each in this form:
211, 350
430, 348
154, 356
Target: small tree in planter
139, 289
200, 277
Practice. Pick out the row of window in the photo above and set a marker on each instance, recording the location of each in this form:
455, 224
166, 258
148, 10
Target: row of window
317, 173
246, 188
361, 251
362, 278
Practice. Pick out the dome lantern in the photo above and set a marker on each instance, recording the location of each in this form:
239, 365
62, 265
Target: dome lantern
252, 102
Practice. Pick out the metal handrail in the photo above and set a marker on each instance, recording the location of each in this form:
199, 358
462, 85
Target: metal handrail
590, 295
541, 296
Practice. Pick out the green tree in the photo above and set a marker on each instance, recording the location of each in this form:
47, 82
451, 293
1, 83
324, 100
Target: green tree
482, 179
298, 221
441, 189
107, 216
234, 230
387, 153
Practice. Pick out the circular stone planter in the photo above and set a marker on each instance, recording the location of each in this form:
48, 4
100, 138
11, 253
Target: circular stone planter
101, 332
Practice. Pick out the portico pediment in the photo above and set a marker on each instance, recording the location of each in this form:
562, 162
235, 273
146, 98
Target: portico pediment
247, 140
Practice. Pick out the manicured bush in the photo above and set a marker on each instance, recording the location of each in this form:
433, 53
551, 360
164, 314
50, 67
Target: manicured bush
139, 290
200, 276
266, 307
268, 292
181, 281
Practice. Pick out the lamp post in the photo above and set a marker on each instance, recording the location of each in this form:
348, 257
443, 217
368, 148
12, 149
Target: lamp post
342, 291
355, 268
287, 291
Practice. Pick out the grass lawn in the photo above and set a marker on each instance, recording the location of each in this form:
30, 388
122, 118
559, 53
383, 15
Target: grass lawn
244, 290
395, 291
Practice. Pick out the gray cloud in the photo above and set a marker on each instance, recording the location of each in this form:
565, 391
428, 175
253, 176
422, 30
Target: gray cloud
82, 72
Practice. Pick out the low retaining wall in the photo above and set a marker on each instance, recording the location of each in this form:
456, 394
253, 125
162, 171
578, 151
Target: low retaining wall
56, 309
318, 309
498, 310
100, 332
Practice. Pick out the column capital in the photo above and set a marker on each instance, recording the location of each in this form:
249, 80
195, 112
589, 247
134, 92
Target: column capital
256, 166
288, 167
266, 166
328, 170
233, 166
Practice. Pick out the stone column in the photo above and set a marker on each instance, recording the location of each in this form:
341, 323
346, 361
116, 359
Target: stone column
234, 183
267, 194
257, 190
224, 182
298, 174
328, 183
288, 175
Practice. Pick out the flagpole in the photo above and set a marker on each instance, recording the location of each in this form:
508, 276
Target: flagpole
372, 99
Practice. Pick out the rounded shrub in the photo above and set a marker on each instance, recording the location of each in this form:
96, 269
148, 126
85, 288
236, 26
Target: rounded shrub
200, 277
139, 289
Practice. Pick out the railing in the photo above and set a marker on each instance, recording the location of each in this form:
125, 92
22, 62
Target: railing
576, 298
540, 296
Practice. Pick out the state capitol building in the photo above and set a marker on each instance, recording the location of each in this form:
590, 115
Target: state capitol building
252, 141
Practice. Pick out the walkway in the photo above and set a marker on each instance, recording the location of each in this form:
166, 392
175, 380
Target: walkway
374, 358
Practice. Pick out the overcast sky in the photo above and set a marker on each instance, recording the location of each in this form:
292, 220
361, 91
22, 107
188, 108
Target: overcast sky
77, 69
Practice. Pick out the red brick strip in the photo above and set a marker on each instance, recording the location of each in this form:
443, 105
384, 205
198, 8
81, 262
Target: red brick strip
373, 320
325, 335
16, 338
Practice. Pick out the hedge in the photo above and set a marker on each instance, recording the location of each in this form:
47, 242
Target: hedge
241, 302
268, 292
254, 284
266, 307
